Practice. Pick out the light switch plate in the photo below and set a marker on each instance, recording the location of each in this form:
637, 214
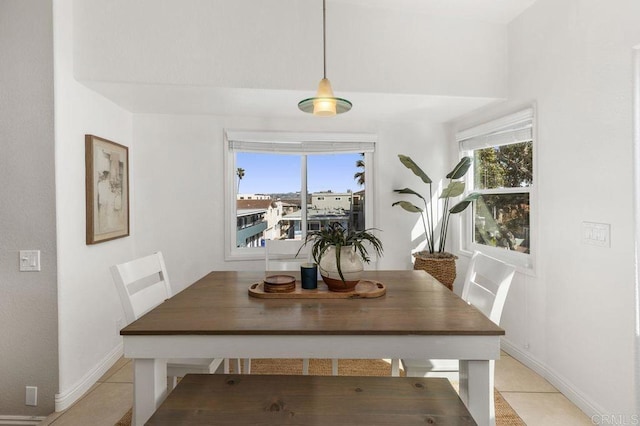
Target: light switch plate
29, 260
596, 234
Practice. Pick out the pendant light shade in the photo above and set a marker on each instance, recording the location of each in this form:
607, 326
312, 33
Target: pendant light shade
324, 104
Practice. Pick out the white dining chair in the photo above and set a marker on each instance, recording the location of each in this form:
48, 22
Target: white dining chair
288, 255
285, 255
486, 286
142, 285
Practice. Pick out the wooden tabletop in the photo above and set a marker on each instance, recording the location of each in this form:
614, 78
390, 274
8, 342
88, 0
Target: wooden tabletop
219, 304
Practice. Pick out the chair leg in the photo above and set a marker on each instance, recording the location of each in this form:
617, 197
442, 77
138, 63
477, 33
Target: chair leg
238, 366
247, 366
334, 367
172, 381
395, 367
305, 366
226, 365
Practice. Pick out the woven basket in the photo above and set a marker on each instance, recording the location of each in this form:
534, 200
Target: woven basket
442, 266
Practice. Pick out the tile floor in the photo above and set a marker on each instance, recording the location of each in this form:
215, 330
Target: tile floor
534, 399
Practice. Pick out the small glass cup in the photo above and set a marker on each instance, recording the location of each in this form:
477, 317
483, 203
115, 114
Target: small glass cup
309, 275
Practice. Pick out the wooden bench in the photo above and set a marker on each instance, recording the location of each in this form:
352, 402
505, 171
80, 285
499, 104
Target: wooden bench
230, 399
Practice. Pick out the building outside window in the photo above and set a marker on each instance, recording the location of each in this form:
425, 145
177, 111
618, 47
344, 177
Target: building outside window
292, 186
503, 173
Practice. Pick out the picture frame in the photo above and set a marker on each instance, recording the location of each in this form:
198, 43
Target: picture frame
107, 190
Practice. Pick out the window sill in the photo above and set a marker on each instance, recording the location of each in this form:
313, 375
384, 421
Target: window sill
252, 253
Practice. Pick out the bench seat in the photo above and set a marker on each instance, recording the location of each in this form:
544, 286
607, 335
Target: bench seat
231, 399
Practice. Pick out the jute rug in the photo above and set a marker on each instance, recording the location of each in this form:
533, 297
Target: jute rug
505, 416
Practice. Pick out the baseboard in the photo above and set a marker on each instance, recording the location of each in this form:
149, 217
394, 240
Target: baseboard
589, 407
65, 399
20, 420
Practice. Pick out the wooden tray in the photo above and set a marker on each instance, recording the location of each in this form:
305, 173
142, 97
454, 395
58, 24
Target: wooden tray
365, 289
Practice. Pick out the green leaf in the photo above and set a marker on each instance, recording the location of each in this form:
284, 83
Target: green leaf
409, 164
453, 190
407, 206
460, 169
408, 191
462, 205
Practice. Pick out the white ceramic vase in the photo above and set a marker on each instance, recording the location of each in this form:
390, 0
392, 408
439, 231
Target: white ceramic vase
350, 264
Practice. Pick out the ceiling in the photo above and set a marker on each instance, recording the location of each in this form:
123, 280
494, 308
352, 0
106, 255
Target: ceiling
496, 11
172, 99
163, 99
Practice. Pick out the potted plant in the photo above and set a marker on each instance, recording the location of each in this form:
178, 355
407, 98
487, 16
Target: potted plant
434, 259
339, 254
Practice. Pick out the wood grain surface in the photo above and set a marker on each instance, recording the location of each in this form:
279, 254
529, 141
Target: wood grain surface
223, 399
364, 289
218, 304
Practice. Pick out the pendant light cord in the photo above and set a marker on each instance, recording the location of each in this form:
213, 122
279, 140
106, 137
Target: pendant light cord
324, 103
324, 39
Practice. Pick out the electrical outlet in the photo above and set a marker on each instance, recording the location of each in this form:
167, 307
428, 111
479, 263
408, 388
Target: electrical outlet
31, 396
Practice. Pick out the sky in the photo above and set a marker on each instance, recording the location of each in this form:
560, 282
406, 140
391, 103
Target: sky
278, 173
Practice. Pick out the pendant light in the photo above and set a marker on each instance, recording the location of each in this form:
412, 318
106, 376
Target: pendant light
324, 103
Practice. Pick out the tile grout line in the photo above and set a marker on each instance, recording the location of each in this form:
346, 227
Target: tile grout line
93, 388
114, 373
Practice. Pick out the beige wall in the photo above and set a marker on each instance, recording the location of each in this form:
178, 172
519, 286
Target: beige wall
28, 300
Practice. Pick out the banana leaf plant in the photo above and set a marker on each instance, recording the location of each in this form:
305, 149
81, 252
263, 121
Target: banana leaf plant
455, 188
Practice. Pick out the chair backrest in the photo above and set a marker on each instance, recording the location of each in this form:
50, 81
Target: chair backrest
142, 285
280, 255
487, 283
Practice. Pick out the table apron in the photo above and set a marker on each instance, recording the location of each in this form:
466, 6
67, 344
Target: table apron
321, 346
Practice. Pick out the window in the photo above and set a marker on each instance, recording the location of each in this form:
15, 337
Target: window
280, 185
503, 173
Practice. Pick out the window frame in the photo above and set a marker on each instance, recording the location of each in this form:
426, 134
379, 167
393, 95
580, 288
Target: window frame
311, 143
525, 263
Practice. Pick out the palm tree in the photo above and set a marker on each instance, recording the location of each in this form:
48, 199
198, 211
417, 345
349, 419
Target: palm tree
240, 174
359, 176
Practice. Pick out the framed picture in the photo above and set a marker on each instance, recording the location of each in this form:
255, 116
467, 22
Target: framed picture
107, 188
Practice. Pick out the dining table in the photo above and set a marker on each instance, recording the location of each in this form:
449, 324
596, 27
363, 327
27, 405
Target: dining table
216, 317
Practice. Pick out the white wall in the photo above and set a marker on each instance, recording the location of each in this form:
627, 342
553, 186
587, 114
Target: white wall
88, 305
28, 300
178, 170
574, 320
426, 144
230, 44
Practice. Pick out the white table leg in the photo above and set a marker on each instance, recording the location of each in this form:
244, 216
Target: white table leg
149, 387
476, 390
395, 367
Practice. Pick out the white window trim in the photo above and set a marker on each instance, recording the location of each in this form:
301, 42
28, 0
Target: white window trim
293, 143
472, 138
